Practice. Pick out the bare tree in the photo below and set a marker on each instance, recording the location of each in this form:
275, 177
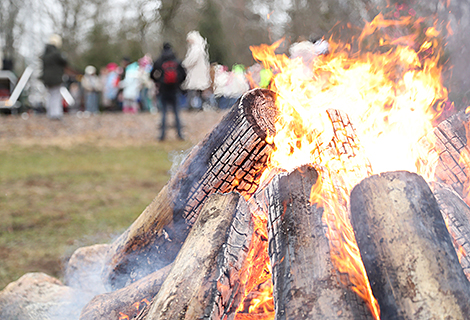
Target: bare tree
10, 27
69, 19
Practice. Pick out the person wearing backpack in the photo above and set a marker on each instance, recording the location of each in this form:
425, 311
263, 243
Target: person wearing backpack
168, 74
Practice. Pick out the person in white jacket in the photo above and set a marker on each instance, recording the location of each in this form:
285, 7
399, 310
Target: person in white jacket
92, 87
197, 68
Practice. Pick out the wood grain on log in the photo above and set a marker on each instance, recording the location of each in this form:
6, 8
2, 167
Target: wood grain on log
408, 254
231, 158
204, 280
456, 214
128, 301
305, 282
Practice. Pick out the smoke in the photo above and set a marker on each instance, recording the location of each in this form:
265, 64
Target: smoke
39, 296
177, 158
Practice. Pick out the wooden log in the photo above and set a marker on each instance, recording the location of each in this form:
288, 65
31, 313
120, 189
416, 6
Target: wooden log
204, 280
306, 285
450, 141
456, 214
231, 158
128, 301
343, 147
412, 267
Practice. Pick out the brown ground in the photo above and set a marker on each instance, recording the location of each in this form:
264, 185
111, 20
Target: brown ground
104, 129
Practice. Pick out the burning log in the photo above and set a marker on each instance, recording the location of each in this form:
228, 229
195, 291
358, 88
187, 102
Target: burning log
231, 158
456, 214
451, 141
204, 280
306, 285
128, 301
407, 251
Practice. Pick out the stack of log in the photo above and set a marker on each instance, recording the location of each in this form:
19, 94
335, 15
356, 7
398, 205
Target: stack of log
185, 255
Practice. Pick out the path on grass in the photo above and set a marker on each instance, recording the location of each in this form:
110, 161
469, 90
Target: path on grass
107, 128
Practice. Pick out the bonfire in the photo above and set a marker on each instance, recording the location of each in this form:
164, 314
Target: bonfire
337, 193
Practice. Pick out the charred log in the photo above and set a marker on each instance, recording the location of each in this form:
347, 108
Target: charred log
456, 214
412, 267
305, 283
204, 280
128, 301
231, 158
450, 141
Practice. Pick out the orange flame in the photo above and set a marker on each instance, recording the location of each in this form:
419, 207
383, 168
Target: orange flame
387, 82
464, 162
256, 274
123, 316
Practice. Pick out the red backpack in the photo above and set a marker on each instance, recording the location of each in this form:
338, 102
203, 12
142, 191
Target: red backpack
170, 72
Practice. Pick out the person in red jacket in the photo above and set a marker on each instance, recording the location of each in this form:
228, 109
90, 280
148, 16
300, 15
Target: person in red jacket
168, 74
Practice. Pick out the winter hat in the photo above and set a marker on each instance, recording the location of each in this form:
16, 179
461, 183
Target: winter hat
145, 60
90, 70
111, 66
55, 40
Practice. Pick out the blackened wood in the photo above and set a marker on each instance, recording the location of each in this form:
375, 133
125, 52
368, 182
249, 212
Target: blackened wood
305, 282
408, 254
204, 280
456, 214
231, 158
450, 141
128, 301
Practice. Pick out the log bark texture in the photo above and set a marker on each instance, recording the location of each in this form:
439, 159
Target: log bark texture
450, 141
306, 285
128, 301
231, 158
456, 214
408, 254
204, 280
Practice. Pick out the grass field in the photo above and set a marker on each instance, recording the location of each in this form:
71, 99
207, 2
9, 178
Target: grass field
54, 200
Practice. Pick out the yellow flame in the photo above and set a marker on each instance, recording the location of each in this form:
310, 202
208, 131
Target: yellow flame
390, 89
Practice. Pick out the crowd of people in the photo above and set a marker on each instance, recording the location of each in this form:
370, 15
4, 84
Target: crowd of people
166, 84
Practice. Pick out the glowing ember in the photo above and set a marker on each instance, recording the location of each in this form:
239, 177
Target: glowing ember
123, 316
257, 274
387, 82
138, 305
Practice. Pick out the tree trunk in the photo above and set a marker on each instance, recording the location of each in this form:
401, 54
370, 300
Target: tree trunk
231, 158
128, 301
456, 214
408, 254
306, 285
204, 280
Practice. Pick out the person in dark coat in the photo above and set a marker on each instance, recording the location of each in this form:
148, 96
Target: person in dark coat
54, 64
168, 74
